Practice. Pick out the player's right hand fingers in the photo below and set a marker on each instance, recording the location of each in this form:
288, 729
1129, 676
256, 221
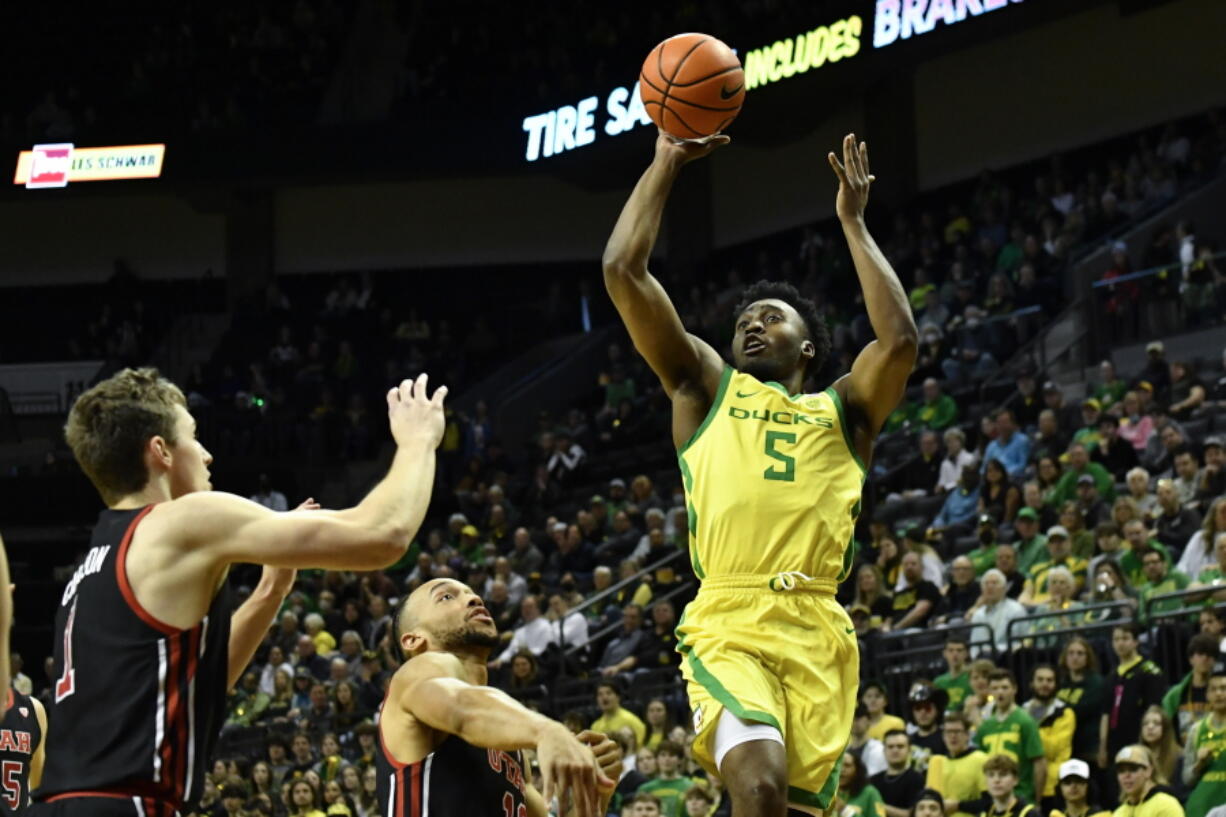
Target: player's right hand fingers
440, 394
547, 781
393, 397
419, 387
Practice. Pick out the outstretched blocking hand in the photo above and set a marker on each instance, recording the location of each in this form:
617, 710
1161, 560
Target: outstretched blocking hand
678, 151
854, 179
415, 415
608, 755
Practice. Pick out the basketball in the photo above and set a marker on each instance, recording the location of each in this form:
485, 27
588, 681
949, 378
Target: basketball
692, 85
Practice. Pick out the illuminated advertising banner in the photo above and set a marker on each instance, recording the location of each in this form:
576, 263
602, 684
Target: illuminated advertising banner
57, 165
621, 110
902, 19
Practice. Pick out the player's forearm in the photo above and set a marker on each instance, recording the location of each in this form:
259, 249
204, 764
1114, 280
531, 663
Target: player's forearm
638, 226
395, 508
249, 624
488, 717
889, 311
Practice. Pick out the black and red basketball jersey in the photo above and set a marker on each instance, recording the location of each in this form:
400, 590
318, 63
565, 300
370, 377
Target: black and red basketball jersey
138, 704
456, 778
20, 735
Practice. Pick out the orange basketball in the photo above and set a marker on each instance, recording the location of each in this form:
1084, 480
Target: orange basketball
692, 85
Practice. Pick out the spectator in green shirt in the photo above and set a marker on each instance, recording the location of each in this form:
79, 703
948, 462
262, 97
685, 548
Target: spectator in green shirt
1159, 578
1139, 544
1089, 433
1031, 546
938, 411
1078, 464
957, 680
1111, 389
669, 785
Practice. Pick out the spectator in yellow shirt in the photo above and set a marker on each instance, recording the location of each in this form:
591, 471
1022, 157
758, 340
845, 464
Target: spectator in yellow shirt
612, 716
874, 700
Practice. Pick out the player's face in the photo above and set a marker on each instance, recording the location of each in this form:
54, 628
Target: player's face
189, 469
771, 341
452, 615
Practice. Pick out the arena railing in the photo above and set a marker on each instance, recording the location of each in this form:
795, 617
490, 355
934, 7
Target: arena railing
1170, 628
1028, 645
613, 589
897, 659
1102, 283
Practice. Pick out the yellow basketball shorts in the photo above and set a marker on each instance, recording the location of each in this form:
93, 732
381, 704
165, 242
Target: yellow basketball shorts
786, 657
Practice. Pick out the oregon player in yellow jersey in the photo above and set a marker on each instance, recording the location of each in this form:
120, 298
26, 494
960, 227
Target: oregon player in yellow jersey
773, 479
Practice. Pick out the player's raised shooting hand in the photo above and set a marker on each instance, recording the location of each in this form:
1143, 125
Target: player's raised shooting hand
676, 152
414, 416
854, 179
569, 771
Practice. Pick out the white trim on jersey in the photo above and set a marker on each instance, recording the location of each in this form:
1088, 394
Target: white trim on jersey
191, 712
140, 807
159, 717
391, 791
425, 786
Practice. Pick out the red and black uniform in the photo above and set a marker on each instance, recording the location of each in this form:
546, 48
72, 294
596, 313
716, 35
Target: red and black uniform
137, 704
456, 778
20, 735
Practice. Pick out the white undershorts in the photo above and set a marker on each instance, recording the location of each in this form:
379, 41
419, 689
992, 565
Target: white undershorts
731, 732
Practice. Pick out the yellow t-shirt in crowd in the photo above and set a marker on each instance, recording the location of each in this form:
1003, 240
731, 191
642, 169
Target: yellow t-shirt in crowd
621, 717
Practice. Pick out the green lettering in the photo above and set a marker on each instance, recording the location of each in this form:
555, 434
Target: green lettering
758, 67
738, 413
761, 415
783, 417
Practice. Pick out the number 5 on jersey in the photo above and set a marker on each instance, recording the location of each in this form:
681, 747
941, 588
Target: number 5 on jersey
786, 473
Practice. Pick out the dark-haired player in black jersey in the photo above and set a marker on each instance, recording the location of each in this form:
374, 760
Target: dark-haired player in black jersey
24, 723
147, 641
22, 750
450, 744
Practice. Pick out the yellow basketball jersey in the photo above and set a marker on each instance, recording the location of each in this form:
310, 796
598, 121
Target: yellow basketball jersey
772, 482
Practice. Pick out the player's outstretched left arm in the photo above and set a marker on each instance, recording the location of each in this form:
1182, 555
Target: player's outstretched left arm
250, 622
608, 757
879, 374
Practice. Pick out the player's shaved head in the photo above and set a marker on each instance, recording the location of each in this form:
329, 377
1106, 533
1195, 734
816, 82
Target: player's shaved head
428, 612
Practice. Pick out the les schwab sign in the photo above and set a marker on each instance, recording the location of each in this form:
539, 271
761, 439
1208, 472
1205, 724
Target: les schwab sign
574, 126
57, 165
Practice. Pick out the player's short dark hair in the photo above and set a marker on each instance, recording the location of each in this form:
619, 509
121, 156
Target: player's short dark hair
1001, 674
668, 747
397, 627
815, 324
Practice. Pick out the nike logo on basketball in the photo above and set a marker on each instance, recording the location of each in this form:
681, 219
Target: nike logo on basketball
746, 394
724, 93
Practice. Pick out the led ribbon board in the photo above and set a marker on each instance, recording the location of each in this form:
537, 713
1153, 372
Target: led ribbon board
58, 164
